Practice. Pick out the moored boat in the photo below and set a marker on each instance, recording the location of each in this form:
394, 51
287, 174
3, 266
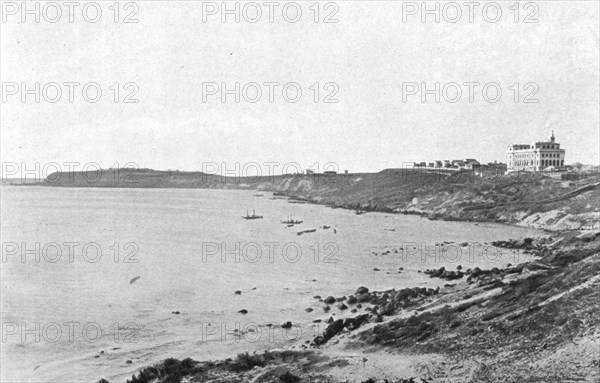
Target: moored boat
253, 216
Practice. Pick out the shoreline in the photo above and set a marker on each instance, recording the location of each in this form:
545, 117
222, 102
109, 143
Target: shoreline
418, 316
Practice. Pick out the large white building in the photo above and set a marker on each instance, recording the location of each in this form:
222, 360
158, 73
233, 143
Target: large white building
536, 156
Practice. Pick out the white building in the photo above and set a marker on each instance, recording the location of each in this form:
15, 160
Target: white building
537, 156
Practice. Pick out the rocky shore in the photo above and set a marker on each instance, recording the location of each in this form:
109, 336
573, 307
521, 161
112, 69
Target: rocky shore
532, 322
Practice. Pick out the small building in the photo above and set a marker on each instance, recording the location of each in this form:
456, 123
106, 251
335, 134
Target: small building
329, 172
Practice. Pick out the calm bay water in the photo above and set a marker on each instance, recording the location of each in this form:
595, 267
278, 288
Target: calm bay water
91, 319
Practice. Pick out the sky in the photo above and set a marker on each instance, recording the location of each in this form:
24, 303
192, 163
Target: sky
371, 59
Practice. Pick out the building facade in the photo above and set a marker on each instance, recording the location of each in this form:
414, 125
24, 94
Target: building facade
535, 157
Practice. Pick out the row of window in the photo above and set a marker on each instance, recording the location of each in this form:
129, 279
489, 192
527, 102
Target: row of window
544, 163
532, 155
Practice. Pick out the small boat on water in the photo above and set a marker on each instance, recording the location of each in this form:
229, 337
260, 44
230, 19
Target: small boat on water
291, 221
253, 216
306, 231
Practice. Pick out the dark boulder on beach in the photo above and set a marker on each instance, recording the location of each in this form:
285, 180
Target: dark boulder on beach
287, 324
329, 300
326, 308
309, 310
334, 328
342, 306
352, 300
243, 311
362, 290
356, 322
238, 292
362, 298
340, 299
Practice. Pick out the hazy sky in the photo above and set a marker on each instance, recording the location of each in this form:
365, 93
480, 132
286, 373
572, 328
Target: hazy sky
369, 54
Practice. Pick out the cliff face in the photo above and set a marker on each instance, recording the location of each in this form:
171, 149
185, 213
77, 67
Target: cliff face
535, 200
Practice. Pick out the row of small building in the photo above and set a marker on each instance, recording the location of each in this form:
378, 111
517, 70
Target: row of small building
537, 156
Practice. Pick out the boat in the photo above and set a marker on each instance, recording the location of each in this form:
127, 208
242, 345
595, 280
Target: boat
291, 221
306, 231
324, 227
253, 216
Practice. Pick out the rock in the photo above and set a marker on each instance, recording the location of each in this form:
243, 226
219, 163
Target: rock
362, 290
317, 297
387, 309
459, 267
376, 269
352, 300
287, 325
243, 311
175, 312
362, 298
354, 310
342, 306
238, 292
333, 329
330, 320
359, 306
356, 322
317, 321
309, 310
340, 299
129, 361
326, 308
329, 300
